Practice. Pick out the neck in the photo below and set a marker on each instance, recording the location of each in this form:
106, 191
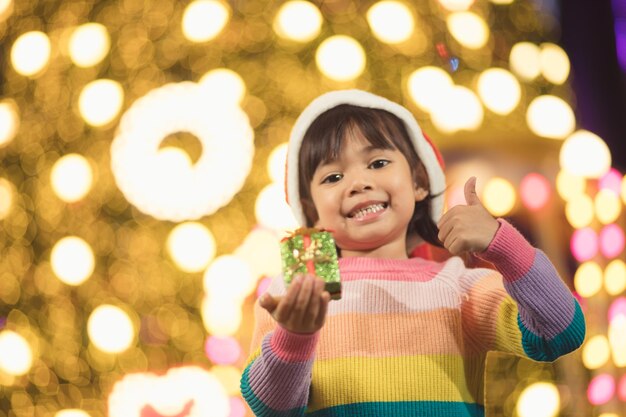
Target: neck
394, 250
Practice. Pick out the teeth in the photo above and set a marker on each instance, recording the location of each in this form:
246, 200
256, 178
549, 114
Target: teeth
367, 210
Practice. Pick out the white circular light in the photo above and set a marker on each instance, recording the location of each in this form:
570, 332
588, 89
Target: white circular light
469, 29
71, 412
340, 58
192, 246
428, 85
6, 198
585, 154
550, 117
72, 260
456, 5
391, 21
203, 20
89, 44
458, 109
30, 53
272, 211
16, 355
298, 20
229, 277
499, 90
555, 65
71, 177
525, 60
9, 122
100, 102
186, 192
276, 163
540, 399
110, 329
225, 84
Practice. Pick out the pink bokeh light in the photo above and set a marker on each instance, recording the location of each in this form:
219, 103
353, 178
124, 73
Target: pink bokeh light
237, 407
618, 307
621, 388
611, 241
601, 389
264, 283
584, 244
612, 181
222, 350
535, 191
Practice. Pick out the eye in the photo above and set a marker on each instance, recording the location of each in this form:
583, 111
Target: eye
379, 163
332, 178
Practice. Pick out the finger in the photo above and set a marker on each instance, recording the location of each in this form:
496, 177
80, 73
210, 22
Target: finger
321, 314
268, 302
304, 297
285, 306
470, 192
314, 304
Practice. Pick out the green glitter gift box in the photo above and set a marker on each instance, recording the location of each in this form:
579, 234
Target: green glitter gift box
312, 251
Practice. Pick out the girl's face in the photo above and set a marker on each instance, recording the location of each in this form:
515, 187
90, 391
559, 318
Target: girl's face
366, 197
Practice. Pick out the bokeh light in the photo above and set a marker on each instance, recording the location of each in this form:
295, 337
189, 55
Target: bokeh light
6, 198
615, 277
617, 339
237, 407
261, 251
499, 196
555, 64
391, 21
458, 109
225, 84
456, 5
272, 211
71, 177
579, 211
30, 53
9, 121
203, 20
535, 191
499, 90
596, 352
623, 192
611, 181
601, 389
229, 377
588, 279
608, 206
110, 329
340, 58
585, 154
569, 185
525, 60
276, 163
428, 85
6, 8
617, 308
550, 117
221, 317
230, 278
71, 412
101, 101
16, 355
222, 350
540, 399
89, 44
611, 241
297, 20
584, 244
192, 246
468, 29
621, 388
72, 260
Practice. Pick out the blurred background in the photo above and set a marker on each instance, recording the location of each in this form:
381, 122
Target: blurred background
142, 148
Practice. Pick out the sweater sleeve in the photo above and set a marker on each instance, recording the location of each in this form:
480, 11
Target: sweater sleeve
525, 309
277, 377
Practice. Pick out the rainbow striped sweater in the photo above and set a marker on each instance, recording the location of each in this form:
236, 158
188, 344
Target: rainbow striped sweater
409, 336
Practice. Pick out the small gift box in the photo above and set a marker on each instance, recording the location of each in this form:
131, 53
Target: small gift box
312, 251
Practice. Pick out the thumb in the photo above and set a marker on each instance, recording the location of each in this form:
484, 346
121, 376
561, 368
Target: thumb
470, 193
268, 302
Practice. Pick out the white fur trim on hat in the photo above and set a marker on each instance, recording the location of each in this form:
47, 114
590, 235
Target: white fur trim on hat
327, 101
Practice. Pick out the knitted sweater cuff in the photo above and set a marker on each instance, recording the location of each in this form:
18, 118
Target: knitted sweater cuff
509, 252
293, 347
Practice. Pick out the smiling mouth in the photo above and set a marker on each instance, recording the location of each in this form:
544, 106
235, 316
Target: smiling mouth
364, 211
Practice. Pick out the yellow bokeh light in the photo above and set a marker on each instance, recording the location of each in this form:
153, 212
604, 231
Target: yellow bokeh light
499, 90
555, 65
276, 163
272, 211
229, 277
6, 8
550, 117
340, 58
71, 177
30, 53
499, 196
608, 206
456, 5
568, 185
6, 198
9, 121
502, 1
585, 154
609, 415
458, 109
89, 44
615, 277
16, 355
588, 279
203, 20
72, 260
229, 376
192, 246
617, 340
261, 251
525, 60
540, 399
100, 102
579, 211
391, 21
469, 29
300, 21
225, 84
221, 317
427, 86
596, 352
72, 412
110, 329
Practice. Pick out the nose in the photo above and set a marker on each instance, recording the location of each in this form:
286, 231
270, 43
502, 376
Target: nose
359, 185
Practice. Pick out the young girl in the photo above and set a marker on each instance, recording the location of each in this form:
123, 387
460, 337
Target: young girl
409, 336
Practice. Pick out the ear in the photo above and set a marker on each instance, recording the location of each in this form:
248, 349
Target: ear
420, 193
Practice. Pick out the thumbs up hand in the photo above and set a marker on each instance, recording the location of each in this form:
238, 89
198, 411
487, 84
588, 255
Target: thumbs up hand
468, 228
